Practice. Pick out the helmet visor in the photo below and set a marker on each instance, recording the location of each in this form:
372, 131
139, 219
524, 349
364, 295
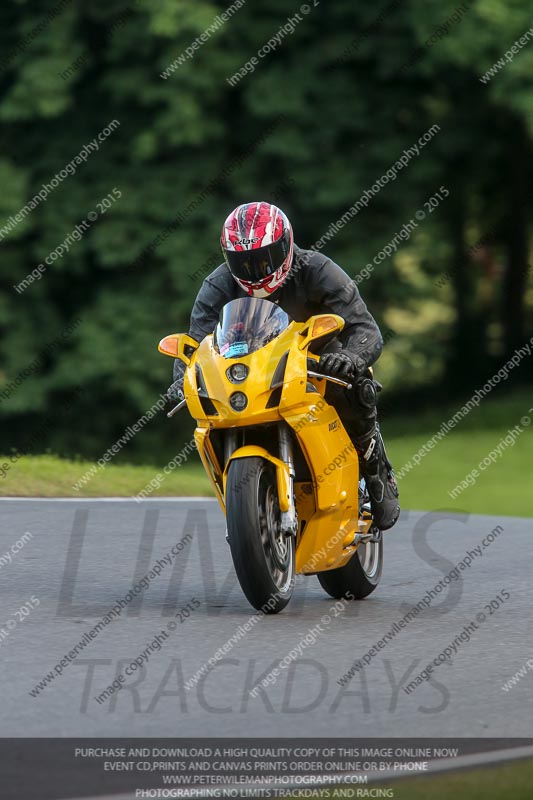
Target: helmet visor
254, 266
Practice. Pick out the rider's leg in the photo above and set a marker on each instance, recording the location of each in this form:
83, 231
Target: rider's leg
358, 411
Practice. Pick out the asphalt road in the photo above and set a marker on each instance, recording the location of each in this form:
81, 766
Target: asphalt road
84, 556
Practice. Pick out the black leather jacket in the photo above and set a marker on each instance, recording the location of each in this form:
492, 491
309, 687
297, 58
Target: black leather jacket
315, 285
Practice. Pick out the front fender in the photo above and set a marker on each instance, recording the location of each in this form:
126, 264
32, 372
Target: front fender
283, 477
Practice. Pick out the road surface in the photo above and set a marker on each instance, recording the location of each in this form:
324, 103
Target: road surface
84, 556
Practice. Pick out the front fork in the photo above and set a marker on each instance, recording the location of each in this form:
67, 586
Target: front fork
289, 520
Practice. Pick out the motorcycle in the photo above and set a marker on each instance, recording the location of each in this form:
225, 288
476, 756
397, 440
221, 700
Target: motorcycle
282, 465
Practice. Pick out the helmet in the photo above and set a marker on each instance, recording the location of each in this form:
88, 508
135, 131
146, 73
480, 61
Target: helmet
258, 243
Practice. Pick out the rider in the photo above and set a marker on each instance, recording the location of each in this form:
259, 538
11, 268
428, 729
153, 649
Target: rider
262, 260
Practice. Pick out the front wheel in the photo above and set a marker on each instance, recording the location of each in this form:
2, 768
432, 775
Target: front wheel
263, 556
359, 577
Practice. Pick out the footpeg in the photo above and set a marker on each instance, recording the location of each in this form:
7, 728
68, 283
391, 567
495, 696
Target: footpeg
374, 536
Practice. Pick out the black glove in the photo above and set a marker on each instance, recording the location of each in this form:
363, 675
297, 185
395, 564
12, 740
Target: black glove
339, 365
175, 391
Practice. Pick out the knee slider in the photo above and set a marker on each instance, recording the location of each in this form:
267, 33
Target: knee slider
366, 393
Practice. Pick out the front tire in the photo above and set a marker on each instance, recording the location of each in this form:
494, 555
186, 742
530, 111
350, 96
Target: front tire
263, 557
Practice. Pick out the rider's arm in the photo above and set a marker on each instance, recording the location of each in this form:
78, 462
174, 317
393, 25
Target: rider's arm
337, 292
217, 290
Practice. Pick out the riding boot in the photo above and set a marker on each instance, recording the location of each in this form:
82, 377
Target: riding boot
381, 484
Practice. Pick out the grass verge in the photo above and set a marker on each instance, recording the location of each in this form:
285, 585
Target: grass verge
49, 476
513, 781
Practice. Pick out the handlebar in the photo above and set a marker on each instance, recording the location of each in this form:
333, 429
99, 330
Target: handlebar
177, 408
313, 362
321, 377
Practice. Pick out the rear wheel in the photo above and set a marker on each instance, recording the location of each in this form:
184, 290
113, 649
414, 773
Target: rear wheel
360, 576
263, 556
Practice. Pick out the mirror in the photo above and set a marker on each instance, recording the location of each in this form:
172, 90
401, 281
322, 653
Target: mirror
178, 345
321, 325
169, 345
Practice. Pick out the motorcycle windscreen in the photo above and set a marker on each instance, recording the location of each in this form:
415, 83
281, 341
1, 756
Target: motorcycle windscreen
247, 324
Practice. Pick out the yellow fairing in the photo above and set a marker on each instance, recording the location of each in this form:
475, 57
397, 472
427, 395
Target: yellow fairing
328, 504
220, 388
211, 464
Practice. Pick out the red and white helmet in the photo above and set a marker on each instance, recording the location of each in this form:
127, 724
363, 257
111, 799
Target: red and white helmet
258, 243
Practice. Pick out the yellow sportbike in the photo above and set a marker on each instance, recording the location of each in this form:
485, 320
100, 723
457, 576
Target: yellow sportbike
283, 467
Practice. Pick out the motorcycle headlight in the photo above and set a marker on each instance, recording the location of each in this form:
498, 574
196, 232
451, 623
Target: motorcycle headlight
237, 373
238, 401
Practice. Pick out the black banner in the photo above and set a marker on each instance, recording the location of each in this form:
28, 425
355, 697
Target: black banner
57, 769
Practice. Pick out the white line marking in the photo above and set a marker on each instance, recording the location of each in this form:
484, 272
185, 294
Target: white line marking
107, 500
